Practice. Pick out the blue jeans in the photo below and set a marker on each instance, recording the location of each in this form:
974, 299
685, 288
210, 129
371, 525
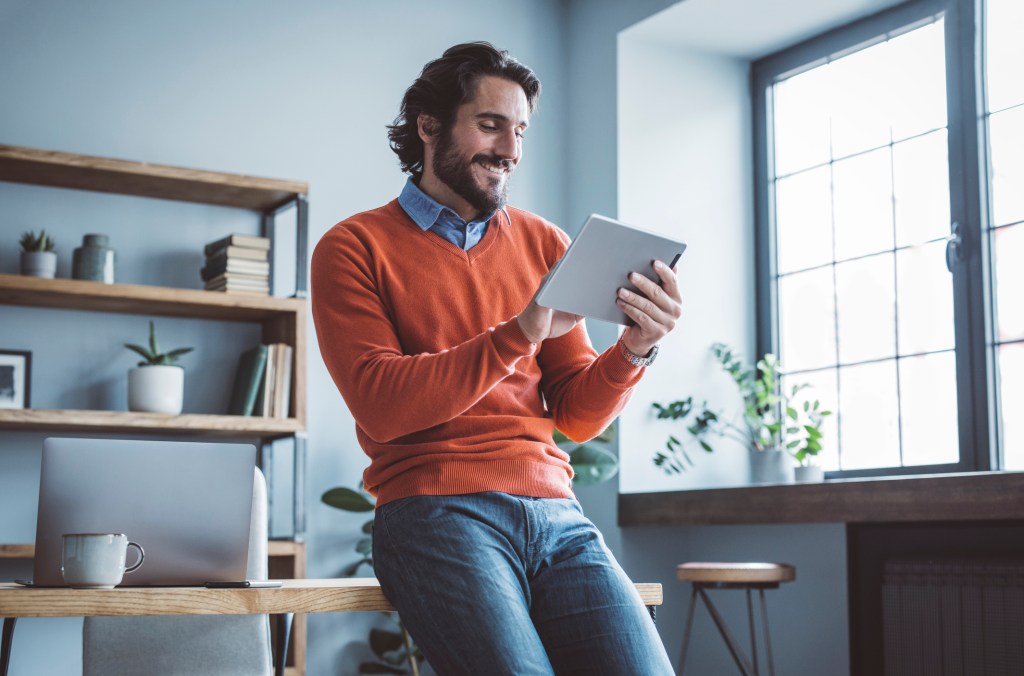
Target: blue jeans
491, 583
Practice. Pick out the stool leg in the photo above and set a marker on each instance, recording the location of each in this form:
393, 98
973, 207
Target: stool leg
686, 633
767, 637
730, 641
753, 636
5, 645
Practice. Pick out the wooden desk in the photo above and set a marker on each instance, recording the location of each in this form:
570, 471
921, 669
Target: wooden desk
294, 596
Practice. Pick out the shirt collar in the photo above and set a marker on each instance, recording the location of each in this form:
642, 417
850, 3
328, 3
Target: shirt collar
424, 210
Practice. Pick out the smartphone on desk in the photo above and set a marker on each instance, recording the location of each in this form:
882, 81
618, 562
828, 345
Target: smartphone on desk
243, 584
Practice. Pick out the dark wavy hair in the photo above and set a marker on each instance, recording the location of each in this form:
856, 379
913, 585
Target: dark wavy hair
444, 85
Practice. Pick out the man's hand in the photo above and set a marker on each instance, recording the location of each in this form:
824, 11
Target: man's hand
540, 323
654, 313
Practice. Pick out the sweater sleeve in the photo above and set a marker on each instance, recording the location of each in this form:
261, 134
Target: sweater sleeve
584, 391
383, 387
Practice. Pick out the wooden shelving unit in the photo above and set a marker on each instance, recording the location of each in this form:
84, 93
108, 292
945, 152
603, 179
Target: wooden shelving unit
281, 319
124, 177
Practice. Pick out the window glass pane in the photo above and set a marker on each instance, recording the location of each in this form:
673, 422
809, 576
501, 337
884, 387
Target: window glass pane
1004, 27
928, 411
921, 188
865, 300
804, 219
824, 389
918, 94
1011, 375
861, 93
925, 299
800, 113
807, 325
1009, 272
1006, 135
868, 418
863, 204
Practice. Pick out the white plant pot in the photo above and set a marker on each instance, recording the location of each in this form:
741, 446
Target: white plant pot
39, 264
156, 389
772, 466
809, 474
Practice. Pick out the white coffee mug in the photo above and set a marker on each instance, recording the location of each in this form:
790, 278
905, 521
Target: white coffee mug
96, 560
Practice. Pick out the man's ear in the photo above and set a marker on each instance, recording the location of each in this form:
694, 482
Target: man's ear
428, 127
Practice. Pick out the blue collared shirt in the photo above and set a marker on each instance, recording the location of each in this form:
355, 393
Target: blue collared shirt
429, 214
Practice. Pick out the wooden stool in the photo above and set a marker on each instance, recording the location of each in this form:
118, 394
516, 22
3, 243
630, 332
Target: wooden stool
746, 576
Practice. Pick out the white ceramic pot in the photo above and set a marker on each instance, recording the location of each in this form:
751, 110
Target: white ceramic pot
809, 474
39, 264
156, 389
772, 466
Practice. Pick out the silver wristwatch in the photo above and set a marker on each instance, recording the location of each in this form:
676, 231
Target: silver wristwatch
636, 360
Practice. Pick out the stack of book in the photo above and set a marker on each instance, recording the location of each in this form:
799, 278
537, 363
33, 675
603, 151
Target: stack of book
239, 264
263, 382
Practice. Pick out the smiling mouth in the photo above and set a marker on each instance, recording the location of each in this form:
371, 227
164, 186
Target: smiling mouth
497, 168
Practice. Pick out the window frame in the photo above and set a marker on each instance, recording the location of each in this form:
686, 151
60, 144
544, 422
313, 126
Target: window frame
972, 292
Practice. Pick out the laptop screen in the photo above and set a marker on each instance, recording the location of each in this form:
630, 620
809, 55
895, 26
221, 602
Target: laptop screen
188, 504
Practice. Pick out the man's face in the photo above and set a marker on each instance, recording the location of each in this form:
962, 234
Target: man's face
475, 156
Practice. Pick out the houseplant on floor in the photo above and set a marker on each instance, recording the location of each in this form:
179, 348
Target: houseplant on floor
156, 384
38, 255
772, 427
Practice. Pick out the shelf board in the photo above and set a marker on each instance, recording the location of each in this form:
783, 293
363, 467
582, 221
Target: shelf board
101, 174
75, 294
9, 551
123, 422
275, 548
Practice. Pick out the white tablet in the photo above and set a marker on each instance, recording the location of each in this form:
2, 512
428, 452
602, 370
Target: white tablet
589, 275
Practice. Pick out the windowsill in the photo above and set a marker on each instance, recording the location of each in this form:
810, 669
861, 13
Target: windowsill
969, 496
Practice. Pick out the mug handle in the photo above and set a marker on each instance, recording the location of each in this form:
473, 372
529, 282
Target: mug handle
142, 556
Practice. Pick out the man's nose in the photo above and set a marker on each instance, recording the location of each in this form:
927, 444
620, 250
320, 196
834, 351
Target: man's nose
508, 145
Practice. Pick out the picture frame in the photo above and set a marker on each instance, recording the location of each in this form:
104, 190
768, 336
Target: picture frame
15, 378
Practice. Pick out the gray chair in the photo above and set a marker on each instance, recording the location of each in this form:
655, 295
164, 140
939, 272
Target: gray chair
222, 645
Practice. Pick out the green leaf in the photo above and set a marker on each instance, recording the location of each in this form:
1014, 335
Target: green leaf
368, 527
559, 437
592, 465
791, 412
153, 348
346, 499
174, 354
793, 444
140, 350
350, 569
706, 446
382, 640
364, 546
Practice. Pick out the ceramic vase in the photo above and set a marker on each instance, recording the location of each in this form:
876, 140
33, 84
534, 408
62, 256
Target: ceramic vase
771, 466
39, 264
94, 260
156, 389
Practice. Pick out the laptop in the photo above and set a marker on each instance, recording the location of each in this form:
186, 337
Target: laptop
586, 279
188, 504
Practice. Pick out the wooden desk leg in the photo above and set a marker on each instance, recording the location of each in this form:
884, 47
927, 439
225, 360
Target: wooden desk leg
284, 631
5, 644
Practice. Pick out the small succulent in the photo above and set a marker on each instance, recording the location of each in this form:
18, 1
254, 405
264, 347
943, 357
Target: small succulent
31, 243
153, 356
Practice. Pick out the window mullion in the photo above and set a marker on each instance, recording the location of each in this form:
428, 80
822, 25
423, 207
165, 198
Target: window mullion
971, 293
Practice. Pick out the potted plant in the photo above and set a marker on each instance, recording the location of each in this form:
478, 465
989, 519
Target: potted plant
156, 384
38, 257
772, 428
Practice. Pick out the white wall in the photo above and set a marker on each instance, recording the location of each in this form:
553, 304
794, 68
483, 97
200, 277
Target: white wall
286, 90
685, 169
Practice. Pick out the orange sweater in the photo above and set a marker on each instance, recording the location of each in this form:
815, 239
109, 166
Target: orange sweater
448, 395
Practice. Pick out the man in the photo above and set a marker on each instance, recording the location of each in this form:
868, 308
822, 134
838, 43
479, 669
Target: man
456, 381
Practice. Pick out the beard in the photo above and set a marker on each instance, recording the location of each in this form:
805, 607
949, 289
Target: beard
456, 172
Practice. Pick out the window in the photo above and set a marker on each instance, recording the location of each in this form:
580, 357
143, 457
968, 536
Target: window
874, 258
